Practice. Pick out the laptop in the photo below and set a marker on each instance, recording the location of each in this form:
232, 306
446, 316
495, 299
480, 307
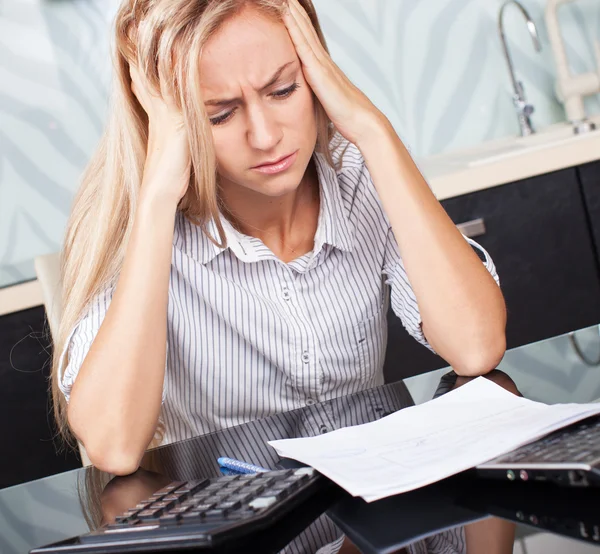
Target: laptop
571, 513
569, 457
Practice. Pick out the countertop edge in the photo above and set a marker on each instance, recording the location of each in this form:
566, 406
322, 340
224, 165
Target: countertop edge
531, 164
16, 298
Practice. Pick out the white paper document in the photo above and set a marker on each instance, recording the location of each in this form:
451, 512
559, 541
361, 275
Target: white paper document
423, 444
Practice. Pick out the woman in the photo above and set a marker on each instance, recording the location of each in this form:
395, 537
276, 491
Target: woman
207, 281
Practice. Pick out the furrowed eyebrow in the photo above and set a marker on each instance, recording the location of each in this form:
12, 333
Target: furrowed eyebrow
228, 101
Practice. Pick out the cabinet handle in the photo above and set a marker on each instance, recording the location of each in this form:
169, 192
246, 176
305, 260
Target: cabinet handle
472, 229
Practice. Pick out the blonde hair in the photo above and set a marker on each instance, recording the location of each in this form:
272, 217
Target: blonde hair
164, 39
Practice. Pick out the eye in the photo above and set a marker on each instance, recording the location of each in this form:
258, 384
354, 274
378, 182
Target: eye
286, 91
222, 118
280, 94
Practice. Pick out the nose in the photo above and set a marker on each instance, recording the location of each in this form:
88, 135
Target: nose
264, 132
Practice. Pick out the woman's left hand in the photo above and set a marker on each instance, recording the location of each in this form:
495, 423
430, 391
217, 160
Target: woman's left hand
352, 113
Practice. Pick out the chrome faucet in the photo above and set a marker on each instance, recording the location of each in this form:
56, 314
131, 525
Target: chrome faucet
524, 110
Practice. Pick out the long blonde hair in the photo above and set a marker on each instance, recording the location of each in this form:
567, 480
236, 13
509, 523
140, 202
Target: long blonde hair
164, 39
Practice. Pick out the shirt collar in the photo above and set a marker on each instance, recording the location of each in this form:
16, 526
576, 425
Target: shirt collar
333, 227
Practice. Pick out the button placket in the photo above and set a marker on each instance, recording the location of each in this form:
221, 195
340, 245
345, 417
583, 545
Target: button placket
287, 284
307, 347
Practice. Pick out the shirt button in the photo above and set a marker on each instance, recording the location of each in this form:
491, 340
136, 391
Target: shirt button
305, 357
286, 294
324, 429
310, 401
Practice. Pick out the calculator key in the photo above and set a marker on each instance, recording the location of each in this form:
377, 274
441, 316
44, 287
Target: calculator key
215, 513
241, 514
180, 510
279, 487
280, 473
169, 519
126, 515
263, 502
297, 479
243, 498
166, 490
172, 486
232, 489
266, 481
162, 505
118, 525
204, 507
212, 488
194, 486
192, 515
276, 493
145, 515
292, 483
310, 471
229, 506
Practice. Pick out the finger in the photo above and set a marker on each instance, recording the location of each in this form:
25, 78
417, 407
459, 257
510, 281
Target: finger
305, 20
308, 29
303, 47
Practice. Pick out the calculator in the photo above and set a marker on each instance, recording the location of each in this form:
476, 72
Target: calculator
203, 513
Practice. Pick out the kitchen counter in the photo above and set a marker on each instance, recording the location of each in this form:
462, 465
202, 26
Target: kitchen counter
509, 159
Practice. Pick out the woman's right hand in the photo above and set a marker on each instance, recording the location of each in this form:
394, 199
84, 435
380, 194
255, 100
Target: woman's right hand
168, 161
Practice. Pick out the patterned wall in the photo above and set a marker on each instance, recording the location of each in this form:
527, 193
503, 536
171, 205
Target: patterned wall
434, 67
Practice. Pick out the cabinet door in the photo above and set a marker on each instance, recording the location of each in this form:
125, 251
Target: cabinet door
537, 234
589, 176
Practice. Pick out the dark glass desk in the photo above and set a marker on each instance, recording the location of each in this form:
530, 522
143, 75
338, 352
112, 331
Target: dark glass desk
58, 507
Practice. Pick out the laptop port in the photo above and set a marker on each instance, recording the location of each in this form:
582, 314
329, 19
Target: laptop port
578, 478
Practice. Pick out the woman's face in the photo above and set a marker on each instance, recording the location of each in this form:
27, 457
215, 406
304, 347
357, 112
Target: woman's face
258, 123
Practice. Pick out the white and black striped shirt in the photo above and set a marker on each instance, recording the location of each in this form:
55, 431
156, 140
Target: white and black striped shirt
250, 335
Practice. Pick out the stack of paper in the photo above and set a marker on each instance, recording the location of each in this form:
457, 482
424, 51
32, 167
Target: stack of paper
422, 444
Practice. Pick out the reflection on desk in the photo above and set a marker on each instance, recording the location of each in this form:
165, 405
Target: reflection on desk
70, 504
197, 457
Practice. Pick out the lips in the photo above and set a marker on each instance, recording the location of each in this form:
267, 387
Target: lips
274, 162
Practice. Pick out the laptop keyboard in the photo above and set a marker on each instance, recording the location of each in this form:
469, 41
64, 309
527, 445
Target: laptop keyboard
579, 443
207, 508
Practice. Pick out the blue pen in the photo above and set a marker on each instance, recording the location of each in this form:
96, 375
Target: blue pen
226, 471
239, 466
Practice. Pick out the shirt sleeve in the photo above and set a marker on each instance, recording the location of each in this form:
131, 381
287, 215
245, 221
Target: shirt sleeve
80, 340
403, 300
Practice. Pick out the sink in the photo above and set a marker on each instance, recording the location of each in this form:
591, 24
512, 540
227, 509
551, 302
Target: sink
555, 139
509, 159
506, 148
531, 143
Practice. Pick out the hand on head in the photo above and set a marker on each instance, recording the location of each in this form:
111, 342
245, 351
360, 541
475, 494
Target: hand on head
168, 161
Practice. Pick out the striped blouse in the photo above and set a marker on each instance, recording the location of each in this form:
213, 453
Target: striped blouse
249, 335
